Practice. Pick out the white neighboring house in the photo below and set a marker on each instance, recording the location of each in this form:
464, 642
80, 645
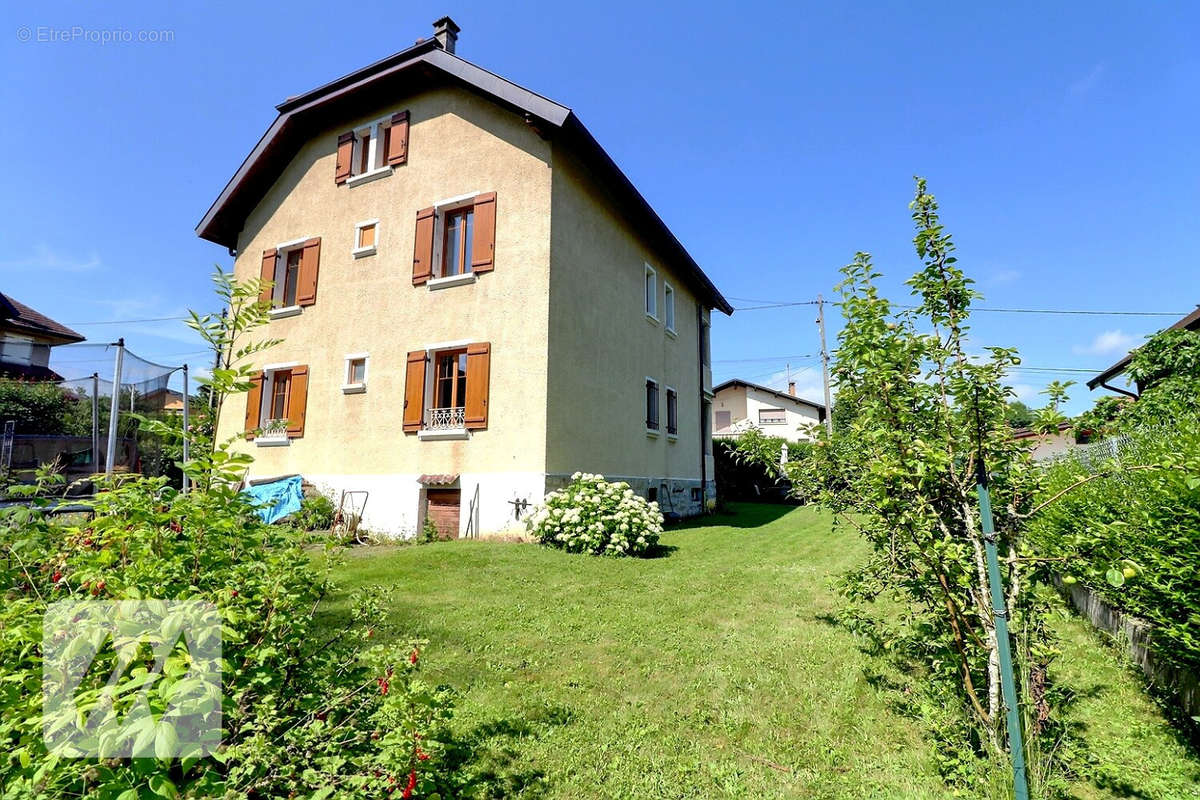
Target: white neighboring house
739, 405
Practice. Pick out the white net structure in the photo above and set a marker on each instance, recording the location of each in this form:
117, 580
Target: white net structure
86, 437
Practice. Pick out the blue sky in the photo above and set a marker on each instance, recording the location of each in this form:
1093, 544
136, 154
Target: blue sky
774, 140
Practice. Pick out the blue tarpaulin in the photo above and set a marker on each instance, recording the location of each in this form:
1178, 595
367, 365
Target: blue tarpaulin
277, 499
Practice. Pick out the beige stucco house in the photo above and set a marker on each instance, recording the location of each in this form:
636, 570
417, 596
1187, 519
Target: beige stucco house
474, 302
739, 405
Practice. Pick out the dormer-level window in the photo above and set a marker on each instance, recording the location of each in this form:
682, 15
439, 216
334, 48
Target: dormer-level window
371, 150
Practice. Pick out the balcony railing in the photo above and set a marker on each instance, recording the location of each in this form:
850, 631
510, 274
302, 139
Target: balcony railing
274, 430
444, 419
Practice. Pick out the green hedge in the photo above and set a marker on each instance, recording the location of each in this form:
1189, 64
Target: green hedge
1133, 534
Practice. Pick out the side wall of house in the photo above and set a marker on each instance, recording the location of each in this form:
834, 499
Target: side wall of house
603, 347
458, 144
731, 399
800, 418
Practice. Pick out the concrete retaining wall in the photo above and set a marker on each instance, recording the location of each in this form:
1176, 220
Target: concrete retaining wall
1136, 634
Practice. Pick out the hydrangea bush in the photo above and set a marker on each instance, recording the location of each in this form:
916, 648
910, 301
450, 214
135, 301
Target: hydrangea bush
596, 516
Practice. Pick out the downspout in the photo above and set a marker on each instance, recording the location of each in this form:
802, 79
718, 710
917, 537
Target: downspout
700, 373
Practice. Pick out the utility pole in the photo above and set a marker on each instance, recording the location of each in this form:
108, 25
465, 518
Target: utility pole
825, 366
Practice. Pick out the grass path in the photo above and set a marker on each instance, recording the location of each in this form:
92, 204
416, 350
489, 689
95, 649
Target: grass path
706, 673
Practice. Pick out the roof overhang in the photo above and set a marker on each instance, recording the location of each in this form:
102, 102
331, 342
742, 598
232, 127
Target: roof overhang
426, 65
1190, 322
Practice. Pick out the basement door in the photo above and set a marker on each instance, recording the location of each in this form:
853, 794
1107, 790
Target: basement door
442, 506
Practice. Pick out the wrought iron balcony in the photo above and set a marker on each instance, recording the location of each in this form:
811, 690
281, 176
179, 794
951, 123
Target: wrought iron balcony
445, 419
274, 431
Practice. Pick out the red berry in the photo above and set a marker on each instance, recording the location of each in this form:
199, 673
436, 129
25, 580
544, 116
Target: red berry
56, 577
233, 593
412, 784
412, 659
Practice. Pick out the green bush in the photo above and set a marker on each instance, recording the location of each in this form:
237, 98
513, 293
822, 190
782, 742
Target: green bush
307, 710
315, 514
594, 516
44, 409
1133, 534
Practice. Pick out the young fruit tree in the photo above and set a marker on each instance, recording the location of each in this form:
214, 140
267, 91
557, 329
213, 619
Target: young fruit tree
903, 471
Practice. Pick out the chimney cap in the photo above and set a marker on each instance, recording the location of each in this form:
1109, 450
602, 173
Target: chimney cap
446, 33
448, 24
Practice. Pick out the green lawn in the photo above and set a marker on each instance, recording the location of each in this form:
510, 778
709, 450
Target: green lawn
709, 672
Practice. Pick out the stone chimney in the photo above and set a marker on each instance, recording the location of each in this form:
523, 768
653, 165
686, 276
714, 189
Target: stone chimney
792, 388
446, 33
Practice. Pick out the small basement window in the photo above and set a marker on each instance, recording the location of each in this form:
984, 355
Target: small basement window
356, 374
366, 237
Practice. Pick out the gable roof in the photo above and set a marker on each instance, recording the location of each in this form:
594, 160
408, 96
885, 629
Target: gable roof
421, 66
1190, 322
735, 382
17, 316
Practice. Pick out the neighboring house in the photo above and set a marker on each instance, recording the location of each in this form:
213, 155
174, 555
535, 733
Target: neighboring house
26, 337
739, 405
1190, 322
1050, 445
474, 302
164, 400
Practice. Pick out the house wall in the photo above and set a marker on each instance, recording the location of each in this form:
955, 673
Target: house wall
744, 403
603, 347
458, 144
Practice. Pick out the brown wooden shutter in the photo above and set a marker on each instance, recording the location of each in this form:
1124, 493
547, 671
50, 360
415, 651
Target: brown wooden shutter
345, 156
253, 404
479, 357
482, 249
267, 274
423, 247
397, 139
414, 391
310, 262
297, 403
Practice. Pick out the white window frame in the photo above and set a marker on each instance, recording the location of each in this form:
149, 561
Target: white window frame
652, 432
266, 395
359, 251
282, 250
355, 388
378, 166
432, 351
440, 209
650, 292
668, 307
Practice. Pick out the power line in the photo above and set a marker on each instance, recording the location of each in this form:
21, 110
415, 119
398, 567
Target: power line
763, 358
1075, 311
127, 321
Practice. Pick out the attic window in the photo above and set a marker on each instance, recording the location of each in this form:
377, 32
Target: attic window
372, 150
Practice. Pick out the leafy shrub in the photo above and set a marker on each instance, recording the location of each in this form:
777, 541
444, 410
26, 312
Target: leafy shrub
307, 710
1133, 534
592, 515
44, 408
315, 514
